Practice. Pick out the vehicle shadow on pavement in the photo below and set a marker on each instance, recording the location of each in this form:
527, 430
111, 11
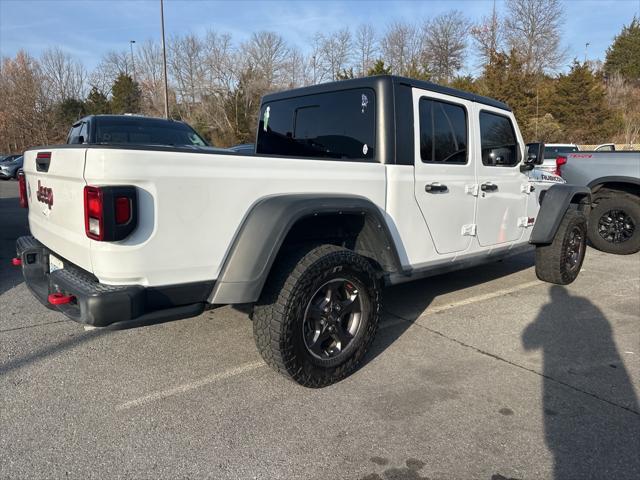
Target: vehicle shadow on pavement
587, 440
13, 224
403, 304
49, 351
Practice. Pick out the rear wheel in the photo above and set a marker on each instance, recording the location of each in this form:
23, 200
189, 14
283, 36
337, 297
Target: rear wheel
560, 262
318, 315
614, 224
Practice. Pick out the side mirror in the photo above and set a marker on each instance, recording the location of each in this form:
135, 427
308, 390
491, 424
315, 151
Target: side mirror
535, 154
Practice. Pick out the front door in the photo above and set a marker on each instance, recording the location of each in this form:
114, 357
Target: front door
444, 169
501, 201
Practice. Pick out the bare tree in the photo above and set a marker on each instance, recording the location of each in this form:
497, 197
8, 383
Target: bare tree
488, 36
335, 51
365, 46
625, 100
112, 64
296, 69
532, 30
445, 41
64, 77
267, 53
401, 47
186, 62
149, 76
316, 66
25, 108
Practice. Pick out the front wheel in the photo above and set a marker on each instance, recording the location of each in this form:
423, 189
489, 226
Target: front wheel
560, 262
318, 314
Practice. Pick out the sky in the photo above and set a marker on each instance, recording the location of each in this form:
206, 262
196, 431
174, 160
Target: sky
86, 29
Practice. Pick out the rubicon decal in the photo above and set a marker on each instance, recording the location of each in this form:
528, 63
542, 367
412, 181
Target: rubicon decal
45, 195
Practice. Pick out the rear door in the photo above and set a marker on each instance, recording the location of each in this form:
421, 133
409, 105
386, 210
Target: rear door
55, 191
444, 169
501, 200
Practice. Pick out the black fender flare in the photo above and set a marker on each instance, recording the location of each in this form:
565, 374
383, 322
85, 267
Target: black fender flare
613, 179
554, 204
265, 227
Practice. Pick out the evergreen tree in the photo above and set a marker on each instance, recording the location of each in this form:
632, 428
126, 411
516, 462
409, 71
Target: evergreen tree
68, 111
126, 95
505, 79
466, 83
379, 69
578, 102
345, 74
97, 103
623, 56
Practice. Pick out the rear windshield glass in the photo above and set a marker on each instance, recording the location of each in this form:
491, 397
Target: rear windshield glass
334, 125
145, 132
551, 152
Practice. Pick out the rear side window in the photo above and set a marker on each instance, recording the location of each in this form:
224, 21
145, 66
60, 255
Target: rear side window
335, 125
498, 140
443, 132
552, 152
146, 132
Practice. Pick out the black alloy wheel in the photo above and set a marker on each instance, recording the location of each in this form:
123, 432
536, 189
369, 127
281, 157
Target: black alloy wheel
616, 226
332, 318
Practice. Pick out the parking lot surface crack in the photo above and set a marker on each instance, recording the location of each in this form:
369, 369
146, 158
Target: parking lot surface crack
26, 327
514, 364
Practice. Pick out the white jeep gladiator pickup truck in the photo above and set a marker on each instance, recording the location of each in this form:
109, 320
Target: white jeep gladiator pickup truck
354, 185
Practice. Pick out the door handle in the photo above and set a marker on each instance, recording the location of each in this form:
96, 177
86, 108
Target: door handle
435, 187
488, 187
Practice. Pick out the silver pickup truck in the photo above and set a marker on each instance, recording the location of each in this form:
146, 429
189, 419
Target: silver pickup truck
614, 180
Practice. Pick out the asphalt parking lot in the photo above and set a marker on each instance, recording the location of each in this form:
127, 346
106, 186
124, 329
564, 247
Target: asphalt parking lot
482, 374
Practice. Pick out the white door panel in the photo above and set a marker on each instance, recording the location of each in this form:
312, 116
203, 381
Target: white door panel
501, 201
444, 189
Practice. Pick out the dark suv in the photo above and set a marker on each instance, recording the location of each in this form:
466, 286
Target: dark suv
134, 129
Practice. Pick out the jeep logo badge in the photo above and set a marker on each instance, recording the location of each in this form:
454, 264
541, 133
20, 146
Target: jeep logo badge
45, 195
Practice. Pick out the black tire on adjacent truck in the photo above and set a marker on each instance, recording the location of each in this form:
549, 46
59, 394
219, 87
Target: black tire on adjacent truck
560, 261
614, 223
318, 314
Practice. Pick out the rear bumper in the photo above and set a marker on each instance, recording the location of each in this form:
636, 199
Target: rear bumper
99, 304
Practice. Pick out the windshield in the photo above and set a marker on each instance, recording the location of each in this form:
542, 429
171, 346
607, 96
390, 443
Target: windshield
552, 152
147, 132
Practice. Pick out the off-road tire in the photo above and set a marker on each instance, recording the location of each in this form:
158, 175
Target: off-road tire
278, 315
609, 201
553, 260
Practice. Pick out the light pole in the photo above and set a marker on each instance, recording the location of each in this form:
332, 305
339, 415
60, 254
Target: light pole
586, 47
133, 62
164, 63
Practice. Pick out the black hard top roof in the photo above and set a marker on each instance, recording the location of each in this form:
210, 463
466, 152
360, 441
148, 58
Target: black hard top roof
130, 118
376, 81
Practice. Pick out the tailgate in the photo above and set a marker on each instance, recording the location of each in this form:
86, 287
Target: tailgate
55, 190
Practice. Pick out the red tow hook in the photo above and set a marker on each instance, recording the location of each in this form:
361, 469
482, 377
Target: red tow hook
16, 262
60, 298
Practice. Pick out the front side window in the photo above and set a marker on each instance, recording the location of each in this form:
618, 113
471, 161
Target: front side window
334, 125
443, 132
498, 140
74, 134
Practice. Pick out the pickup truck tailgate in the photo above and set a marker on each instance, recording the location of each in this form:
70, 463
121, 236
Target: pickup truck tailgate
55, 192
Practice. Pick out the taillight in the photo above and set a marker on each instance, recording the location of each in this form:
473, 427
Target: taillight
93, 213
560, 161
109, 212
22, 187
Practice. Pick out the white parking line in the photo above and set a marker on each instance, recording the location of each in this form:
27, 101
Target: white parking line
247, 367
480, 298
152, 397
461, 303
